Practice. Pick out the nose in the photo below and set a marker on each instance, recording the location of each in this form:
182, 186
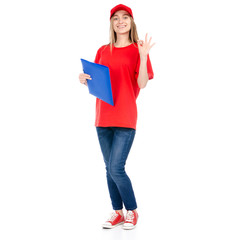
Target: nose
120, 20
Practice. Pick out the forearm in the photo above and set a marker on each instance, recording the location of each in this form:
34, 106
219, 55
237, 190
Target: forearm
143, 74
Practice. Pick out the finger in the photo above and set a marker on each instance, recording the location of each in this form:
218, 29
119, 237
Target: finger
140, 42
84, 78
152, 45
87, 75
146, 37
149, 40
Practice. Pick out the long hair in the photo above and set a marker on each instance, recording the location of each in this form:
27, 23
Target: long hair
133, 35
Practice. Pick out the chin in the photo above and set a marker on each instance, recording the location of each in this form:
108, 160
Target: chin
122, 31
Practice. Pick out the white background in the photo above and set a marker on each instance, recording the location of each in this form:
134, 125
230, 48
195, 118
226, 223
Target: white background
184, 162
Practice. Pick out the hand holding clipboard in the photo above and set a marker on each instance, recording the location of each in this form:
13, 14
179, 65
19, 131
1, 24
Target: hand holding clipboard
98, 80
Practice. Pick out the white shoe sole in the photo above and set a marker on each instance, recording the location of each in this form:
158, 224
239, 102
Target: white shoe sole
112, 226
129, 228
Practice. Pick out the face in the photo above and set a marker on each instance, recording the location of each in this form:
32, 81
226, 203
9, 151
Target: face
121, 22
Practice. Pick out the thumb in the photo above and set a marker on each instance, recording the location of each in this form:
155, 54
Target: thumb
140, 42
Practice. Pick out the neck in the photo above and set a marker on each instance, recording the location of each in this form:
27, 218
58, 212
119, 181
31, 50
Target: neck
122, 40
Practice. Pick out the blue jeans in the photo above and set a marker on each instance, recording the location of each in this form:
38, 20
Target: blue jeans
115, 143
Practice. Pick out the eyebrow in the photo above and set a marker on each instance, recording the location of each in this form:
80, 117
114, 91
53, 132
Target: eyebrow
123, 15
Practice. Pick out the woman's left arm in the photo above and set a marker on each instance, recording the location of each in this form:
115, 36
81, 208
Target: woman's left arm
144, 48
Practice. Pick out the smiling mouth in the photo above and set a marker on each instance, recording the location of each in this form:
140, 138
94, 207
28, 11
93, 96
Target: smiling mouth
121, 26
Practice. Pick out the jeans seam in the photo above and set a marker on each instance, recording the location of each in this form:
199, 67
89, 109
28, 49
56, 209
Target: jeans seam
127, 147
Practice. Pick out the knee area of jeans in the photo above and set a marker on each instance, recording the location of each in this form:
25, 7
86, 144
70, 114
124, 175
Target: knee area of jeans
116, 172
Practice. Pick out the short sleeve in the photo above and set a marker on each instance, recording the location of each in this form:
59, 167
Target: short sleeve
98, 55
149, 68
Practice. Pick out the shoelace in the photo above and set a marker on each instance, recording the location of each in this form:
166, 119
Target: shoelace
130, 216
113, 217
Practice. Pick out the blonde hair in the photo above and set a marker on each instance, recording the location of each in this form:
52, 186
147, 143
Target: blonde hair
133, 35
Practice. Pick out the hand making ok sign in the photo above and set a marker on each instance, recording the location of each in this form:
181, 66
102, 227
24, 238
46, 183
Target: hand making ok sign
144, 47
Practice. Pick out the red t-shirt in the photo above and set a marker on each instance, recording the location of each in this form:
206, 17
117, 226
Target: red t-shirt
123, 66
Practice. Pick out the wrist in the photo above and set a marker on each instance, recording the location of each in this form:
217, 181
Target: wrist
143, 58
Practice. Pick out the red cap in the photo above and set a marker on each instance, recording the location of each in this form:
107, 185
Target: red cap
121, 7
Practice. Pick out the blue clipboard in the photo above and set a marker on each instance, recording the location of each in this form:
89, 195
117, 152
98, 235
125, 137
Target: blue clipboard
100, 85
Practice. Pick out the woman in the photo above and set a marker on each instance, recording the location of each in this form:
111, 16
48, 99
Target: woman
130, 69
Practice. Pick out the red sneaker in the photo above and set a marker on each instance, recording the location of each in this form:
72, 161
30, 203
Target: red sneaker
131, 220
115, 220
